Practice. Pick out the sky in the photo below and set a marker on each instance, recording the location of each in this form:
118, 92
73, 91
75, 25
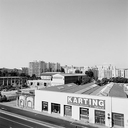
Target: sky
71, 32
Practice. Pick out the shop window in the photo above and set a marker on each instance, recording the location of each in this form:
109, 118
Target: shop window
55, 108
67, 110
99, 117
84, 113
118, 119
44, 106
45, 84
38, 83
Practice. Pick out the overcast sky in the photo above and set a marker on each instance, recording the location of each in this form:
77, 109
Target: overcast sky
71, 32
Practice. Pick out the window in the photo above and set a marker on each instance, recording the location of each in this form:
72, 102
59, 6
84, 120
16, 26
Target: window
67, 110
44, 106
99, 117
55, 108
84, 113
117, 119
45, 84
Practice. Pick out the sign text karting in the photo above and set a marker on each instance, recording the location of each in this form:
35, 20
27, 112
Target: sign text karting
94, 103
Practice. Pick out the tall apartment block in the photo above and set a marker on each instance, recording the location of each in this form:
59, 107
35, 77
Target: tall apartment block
37, 67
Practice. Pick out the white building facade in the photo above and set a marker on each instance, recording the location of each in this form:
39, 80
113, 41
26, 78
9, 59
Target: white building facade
105, 111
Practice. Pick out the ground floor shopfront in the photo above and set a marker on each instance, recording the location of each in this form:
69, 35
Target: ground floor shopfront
25, 100
91, 109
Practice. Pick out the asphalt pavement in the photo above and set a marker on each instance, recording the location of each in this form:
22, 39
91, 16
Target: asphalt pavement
7, 121
44, 118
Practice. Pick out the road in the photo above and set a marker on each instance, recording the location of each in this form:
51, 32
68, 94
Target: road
7, 121
39, 117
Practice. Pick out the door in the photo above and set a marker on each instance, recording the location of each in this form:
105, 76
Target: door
100, 117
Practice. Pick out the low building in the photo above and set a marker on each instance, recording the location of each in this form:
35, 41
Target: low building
88, 108
63, 78
12, 80
76, 102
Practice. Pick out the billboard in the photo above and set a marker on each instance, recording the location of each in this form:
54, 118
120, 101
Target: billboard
86, 102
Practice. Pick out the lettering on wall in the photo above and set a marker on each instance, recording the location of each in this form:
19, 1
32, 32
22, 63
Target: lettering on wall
87, 102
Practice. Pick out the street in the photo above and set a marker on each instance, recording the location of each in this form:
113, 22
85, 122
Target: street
7, 121
39, 117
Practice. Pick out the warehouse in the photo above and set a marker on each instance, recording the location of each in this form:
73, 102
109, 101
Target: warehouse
74, 103
63, 78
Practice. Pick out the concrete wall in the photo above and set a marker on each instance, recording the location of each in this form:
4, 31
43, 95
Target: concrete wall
57, 80
61, 98
26, 101
120, 105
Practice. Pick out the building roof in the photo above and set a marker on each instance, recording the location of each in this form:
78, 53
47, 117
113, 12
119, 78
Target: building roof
13, 77
117, 91
69, 88
88, 89
63, 74
72, 74
49, 73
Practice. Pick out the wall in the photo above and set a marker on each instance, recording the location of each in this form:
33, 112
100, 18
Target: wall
40, 82
52, 97
120, 105
25, 101
57, 79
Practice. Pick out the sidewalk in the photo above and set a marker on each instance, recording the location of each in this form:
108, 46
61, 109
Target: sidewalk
74, 122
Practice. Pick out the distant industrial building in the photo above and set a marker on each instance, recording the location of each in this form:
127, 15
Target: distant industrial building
55, 78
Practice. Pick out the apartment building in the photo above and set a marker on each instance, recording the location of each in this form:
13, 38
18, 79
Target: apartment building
37, 67
126, 73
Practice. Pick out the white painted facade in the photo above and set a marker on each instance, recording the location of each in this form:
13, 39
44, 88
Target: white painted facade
57, 79
39, 83
117, 105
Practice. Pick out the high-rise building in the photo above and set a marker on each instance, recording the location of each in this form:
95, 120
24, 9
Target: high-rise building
37, 67
126, 73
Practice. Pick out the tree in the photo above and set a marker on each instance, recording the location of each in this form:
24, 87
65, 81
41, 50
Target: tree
89, 73
79, 81
62, 70
77, 71
33, 77
85, 80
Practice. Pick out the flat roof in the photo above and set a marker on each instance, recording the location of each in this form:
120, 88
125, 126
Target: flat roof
63, 74
72, 74
49, 73
13, 77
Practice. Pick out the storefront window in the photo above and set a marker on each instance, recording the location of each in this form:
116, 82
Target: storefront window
55, 108
67, 110
84, 113
117, 119
44, 106
99, 117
